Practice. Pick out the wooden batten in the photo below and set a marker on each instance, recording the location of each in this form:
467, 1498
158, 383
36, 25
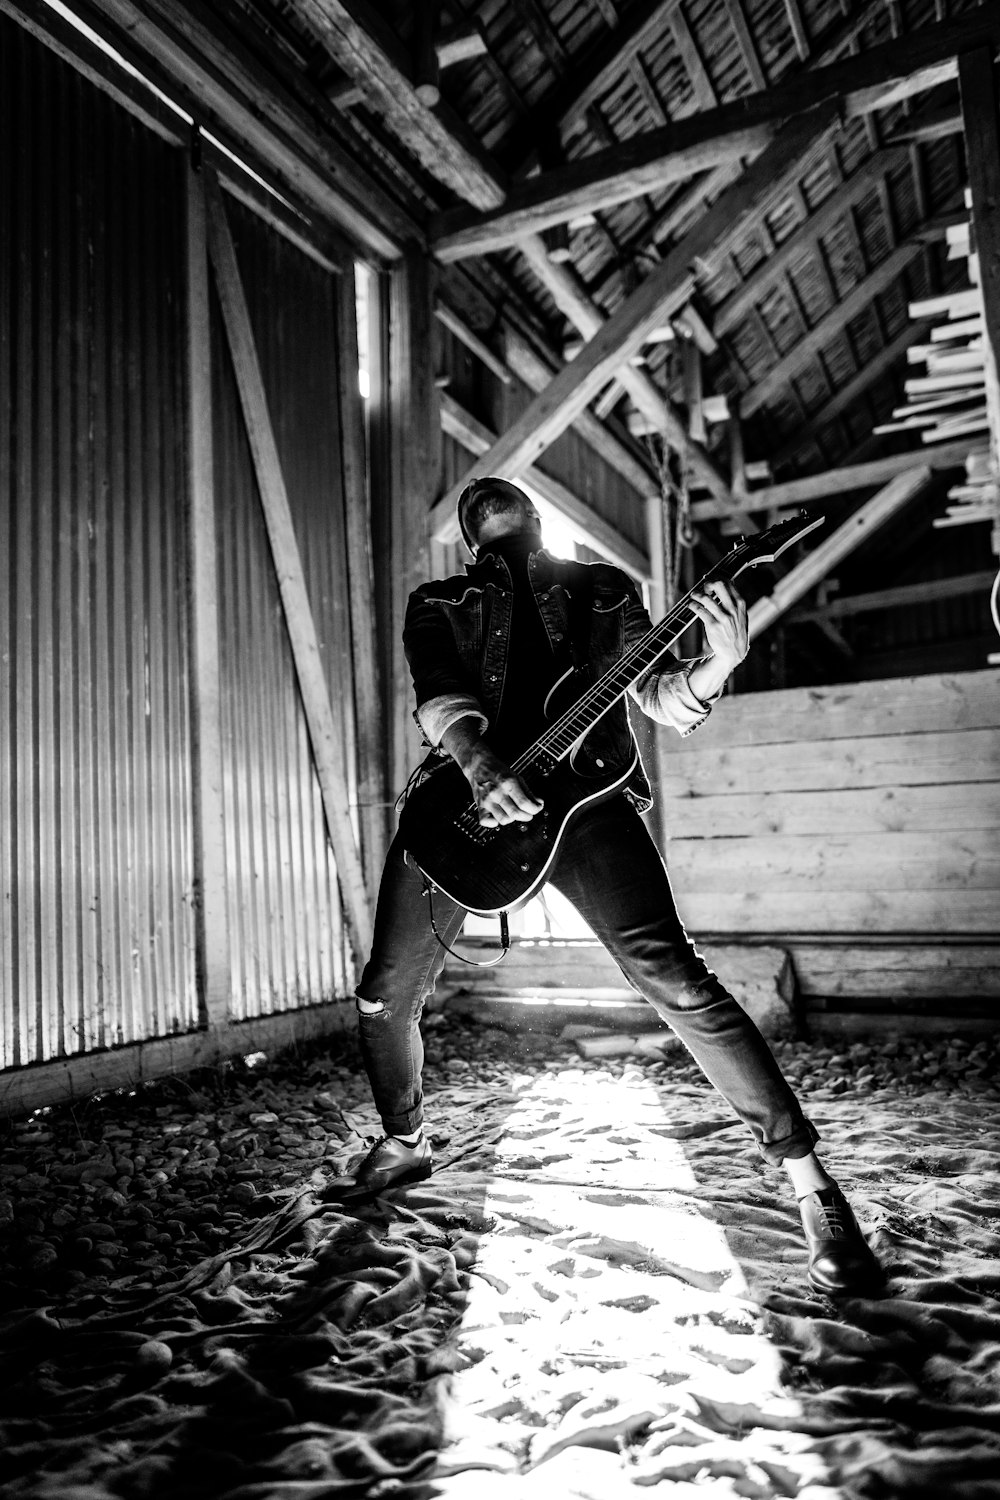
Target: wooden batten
413, 480
290, 577
212, 936
369, 716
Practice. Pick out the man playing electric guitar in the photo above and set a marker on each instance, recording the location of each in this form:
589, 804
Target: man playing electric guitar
485, 652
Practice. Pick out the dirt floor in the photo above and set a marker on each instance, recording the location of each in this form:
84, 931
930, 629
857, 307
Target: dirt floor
601, 1289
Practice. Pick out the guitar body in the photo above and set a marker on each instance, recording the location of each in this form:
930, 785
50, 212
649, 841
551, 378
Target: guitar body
489, 870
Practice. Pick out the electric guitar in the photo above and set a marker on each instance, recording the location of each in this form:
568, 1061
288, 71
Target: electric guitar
495, 870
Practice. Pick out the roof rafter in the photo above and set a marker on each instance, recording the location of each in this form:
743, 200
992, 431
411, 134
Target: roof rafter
859, 85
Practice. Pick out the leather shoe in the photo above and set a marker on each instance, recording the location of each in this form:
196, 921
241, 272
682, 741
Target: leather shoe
840, 1261
390, 1163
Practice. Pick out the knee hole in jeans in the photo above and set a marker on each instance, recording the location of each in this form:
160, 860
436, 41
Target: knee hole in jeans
367, 1008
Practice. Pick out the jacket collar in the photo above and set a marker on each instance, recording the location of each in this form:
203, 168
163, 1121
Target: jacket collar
488, 561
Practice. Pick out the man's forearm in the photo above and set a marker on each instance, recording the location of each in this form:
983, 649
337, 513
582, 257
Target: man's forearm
710, 675
463, 740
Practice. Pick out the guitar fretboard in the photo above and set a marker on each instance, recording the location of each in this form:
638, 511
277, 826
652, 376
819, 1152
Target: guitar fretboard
559, 739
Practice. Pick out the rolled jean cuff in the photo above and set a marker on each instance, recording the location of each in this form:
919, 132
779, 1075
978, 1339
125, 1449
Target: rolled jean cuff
404, 1124
799, 1143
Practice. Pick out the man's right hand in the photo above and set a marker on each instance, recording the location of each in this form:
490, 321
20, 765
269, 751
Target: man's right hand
499, 795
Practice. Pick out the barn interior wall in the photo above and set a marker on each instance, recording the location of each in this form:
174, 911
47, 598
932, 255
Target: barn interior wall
101, 854
857, 826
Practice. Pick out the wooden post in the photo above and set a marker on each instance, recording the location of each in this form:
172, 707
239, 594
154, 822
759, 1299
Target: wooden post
977, 83
874, 513
212, 937
368, 710
291, 579
415, 462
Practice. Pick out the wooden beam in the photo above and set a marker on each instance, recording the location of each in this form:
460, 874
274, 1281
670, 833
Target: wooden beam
858, 85
212, 958
899, 598
624, 333
465, 335
857, 299
476, 438
642, 164
228, 93
536, 373
368, 704
896, 495
369, 52
655, 404
326, 742
414, 431
834, 482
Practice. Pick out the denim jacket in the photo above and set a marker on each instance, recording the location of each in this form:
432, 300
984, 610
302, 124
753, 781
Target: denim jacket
456, 636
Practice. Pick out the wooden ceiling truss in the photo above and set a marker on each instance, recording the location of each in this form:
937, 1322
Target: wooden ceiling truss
621, 197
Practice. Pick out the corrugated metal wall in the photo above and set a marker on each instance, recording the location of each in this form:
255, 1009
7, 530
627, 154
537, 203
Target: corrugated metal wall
286, 934
97, 840
95, 769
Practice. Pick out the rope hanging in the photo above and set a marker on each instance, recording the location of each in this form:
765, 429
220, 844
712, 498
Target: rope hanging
674, 474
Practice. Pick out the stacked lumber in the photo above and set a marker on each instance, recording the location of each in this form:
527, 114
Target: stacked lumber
957, 396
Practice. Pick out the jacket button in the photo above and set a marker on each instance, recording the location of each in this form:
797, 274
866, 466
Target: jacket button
493, 677
557, 635
498, 632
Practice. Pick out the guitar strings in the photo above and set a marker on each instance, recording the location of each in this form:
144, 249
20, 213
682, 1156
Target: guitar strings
549, 741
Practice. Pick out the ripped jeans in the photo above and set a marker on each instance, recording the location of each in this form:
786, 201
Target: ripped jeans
609, 868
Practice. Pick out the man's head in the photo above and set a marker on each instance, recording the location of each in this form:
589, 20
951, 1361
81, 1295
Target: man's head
489, 508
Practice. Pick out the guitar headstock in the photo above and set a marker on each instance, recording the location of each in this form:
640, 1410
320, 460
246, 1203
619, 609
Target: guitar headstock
751, 551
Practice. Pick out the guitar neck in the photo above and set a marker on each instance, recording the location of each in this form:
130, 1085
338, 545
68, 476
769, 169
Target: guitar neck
560, 737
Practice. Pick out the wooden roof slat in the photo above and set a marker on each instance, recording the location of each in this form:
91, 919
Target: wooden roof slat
873, 371
832, 45
798, 30
745, 41
870, 81
854, 303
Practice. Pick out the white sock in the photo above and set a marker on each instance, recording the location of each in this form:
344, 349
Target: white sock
807, 1174
411, 1139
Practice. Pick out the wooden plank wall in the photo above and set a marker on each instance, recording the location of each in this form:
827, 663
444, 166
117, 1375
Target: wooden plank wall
857, 824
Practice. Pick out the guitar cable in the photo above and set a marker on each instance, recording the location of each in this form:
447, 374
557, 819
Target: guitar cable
475, 963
